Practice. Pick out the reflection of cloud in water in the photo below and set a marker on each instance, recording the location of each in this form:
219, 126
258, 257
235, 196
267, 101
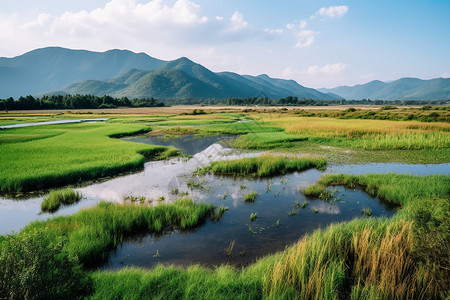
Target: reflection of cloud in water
325, 208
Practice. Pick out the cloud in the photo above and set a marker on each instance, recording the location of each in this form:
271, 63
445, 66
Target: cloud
158, 27
305, 38
332, 11
237, 22
328, 69
290, 26
303, 24
274, 31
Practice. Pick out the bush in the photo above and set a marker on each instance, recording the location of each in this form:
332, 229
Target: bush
34, 266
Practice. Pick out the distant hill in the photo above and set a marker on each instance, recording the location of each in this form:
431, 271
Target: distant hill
401, 89
184, 79
52, 68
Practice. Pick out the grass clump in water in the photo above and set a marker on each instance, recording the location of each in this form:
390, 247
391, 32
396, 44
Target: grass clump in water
55, 198
318, 191
251, 197
265, 165
367, 212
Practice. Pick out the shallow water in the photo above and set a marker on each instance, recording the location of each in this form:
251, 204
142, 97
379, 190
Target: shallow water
278, 196
205, 245
54, 123
188, 144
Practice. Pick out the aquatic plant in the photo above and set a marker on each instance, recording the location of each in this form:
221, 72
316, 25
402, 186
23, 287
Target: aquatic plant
219, 213
229, 249
253, 216
250, 197
55, 198
367, 211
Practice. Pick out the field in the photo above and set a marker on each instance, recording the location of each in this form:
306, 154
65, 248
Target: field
370, 257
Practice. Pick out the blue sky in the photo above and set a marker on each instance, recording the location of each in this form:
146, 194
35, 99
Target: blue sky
318, 43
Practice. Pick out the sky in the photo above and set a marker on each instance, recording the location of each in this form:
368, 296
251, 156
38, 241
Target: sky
318, 43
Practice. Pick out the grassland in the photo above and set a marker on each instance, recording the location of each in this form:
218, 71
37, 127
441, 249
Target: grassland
55, 155
351, 140
265, 165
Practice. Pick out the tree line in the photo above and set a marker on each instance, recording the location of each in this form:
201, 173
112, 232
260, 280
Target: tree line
295, 101
92, 102
75, 101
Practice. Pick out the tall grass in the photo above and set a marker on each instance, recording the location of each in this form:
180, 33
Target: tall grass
55, 198
67, 154
44, 259
92, 232
368, 134
265, 165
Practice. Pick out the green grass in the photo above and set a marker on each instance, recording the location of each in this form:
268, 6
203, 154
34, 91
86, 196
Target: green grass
239, 128
267, 140
265, 165
62, 245
55, 198
250, 197
57, 155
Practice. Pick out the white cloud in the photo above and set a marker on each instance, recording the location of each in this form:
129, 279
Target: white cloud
328, 69
333, 11
305, 38
290, 26
219, 18
303, 24
237, 22
274, 31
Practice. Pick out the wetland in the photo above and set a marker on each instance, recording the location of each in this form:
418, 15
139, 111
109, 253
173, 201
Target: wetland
183, 216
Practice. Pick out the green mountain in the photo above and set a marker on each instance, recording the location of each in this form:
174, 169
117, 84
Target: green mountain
401, 89
184, 79
51, 68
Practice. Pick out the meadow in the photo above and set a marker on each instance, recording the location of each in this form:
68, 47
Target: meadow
49, 156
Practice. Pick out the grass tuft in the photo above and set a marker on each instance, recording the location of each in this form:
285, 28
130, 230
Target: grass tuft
265, 165
55, 198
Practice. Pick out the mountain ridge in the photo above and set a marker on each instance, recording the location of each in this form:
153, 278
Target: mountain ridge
406, 88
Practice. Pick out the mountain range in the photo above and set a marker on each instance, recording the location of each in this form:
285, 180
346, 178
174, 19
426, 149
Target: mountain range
55, 70
401, 89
